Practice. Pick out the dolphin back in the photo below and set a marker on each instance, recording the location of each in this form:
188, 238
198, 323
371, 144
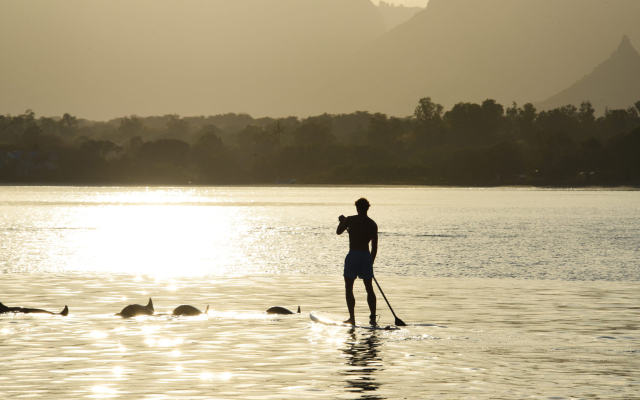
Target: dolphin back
188, 310
65, 312
133, 310
279, 310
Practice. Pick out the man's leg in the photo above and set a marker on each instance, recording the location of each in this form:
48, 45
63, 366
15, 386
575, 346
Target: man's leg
351, 300
371, 300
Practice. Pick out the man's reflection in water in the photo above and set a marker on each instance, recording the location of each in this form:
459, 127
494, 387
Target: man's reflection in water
362, 354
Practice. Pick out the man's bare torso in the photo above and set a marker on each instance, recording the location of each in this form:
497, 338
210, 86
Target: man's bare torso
362, 230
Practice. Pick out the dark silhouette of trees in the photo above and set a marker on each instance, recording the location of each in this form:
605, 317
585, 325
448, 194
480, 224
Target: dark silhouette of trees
380, 132
131, 126
520, 121
620, 121
429, 127
172, 152
36, 139
12, 127
176, 127
91, 161
313, 133
49, 126
68, 126
470, 144
475, 123
621, 157
210, 161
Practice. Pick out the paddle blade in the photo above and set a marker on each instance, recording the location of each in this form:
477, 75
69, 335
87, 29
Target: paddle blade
399, 322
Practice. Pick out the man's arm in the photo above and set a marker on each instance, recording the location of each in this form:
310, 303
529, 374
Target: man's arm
374, 246
344, 224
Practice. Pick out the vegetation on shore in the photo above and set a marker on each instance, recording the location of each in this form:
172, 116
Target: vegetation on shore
470, 144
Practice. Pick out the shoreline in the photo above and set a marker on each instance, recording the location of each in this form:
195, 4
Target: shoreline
631, 188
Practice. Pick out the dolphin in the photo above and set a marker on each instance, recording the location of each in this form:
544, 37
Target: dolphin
134, 310
281, 310
190, 311
5, 309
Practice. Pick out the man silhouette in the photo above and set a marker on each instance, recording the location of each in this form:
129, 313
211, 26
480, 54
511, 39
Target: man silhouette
359, 261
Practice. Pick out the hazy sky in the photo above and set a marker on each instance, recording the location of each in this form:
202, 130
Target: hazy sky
409, 3
102, 59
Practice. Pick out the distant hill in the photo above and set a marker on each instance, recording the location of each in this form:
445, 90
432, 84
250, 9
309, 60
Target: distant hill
470, 50
615, 83
396, 15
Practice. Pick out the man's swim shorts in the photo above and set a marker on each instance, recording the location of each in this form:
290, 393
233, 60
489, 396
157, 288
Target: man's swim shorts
358, 264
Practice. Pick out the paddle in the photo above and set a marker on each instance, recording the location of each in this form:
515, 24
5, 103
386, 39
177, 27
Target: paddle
399, 322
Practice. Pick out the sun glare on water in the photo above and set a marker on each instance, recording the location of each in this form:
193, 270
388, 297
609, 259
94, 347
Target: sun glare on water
104, 390
207, 376
156, 232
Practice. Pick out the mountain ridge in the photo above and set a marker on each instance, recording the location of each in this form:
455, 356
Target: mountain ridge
614, 83
397, 15
468, 51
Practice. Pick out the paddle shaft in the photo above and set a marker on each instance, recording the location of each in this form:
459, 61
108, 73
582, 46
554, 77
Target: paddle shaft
390, 308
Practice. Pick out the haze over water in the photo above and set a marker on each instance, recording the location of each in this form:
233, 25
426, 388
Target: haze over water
517, 293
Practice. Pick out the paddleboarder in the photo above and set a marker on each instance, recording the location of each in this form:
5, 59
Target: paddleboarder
359, 261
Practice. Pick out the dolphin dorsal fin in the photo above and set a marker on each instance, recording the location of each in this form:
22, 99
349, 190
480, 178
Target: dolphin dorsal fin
150, 305
207, 310
298, 309
65, 312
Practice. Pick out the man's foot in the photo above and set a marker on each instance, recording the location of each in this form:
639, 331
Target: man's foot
350, 321
372, 320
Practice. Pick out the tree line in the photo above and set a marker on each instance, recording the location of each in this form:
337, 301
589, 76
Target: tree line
470, 144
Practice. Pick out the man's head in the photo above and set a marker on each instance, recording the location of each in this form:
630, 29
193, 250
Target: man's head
362, 205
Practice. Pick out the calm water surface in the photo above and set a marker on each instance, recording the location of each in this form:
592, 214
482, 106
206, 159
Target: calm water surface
512, 293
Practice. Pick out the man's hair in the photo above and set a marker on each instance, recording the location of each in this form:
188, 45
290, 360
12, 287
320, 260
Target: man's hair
362, 204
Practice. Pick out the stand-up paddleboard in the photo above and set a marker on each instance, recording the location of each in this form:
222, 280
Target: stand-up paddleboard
334, 320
